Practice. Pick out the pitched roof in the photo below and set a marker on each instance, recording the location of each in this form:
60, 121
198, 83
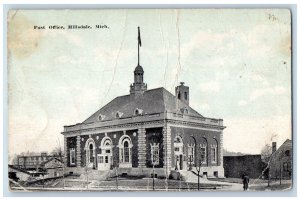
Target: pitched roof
152, 101
45, 162
18, 169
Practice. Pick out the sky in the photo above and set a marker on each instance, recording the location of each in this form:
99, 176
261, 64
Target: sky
237, 64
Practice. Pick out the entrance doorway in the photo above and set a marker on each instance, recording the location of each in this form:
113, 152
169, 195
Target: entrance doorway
105, 158
178, 153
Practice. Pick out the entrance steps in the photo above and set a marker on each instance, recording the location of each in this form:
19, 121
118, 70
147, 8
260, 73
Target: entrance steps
191, 176
95, 174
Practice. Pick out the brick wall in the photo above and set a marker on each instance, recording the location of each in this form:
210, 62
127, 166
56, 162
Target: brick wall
201, 136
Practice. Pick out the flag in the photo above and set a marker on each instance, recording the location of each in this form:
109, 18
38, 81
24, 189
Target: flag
139, 38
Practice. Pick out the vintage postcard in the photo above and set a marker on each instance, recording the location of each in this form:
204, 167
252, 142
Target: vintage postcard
149, 100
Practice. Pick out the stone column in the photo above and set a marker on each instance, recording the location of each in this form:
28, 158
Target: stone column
78, 151
221, 149
167, 148
65, 151
142, 147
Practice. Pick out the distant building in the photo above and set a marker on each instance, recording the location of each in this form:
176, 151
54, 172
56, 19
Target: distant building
281, 161
19, 174
53, 167
33, 162
236, 166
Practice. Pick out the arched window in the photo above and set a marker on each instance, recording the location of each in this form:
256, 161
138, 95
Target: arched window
125, 146
119, 114
101, 117
126, 152
90, 152
214, 151
191, 153
138, 111
203, 150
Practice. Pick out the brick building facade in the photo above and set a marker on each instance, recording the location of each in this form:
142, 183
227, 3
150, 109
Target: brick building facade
144, 129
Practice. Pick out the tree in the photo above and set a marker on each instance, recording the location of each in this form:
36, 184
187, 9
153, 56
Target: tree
266, 153
57, 151
198, 168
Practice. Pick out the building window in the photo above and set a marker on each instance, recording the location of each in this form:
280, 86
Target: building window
191, 154
126, 152
90, 152
214, 154
203, 153
186, 111
287, 166
72, 156
100, 159
125, 146
101, 117
138, 111
155, 153
179, 95
214, 151
287, 153
119, 114
185, 95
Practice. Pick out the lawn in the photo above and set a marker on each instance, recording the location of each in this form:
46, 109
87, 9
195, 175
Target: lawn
274, 186
145, 184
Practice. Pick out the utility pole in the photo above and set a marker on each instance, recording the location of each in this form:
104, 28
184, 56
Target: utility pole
153, 175
280, 175
63, 167
87, 178
43, 181
117, 178
280, 167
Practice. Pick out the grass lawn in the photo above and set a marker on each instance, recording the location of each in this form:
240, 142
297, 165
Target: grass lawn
274, 186
230, 180
130, 184
158, 184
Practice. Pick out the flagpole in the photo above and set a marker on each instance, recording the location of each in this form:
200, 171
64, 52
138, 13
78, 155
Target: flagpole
138, 46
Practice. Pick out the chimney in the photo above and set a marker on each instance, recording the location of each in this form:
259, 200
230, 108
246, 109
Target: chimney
273, 147
182, 93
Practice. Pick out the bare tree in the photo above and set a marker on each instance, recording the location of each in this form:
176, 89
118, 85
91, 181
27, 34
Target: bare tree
266, 153
57, 151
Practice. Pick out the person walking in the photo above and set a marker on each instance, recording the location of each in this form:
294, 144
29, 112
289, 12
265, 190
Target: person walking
245, 182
